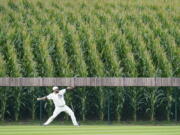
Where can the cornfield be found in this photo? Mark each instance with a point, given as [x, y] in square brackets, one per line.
[90, 38]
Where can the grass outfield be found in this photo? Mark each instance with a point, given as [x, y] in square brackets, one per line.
[90, 130]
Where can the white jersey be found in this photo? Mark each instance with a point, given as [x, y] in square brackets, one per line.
[58, 98]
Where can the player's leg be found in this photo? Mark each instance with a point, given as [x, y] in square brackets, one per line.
[55, 114]
[71, 114]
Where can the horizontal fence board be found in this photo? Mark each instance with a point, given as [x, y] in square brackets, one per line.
[89, 81]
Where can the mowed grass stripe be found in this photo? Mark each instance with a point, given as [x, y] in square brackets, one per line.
[95, 133]
[90, 127]
[83, 133]
[90, 130]
[82, 128]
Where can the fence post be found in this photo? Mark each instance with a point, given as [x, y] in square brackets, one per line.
[176, 104]
[40, 112]
[108, 107]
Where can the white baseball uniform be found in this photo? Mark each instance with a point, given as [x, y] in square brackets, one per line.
[60, 106]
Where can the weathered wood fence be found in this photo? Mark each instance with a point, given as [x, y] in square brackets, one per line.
[89, 81]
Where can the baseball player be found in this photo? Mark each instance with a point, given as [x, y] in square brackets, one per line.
[60, 105]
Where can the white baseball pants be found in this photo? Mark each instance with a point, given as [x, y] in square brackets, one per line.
[58, 110]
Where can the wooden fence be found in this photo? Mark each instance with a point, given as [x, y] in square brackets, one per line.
[89, 81]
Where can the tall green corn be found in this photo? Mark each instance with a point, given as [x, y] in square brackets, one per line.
[3, 92]
[30, 69]
[164, 68]
[13, 70]
[93, 60]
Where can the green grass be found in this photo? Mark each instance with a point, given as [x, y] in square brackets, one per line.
[90, 130]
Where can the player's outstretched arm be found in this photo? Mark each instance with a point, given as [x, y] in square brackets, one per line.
[42, 98]
[70, 88]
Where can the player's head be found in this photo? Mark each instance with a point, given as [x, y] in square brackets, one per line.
[55, 89]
